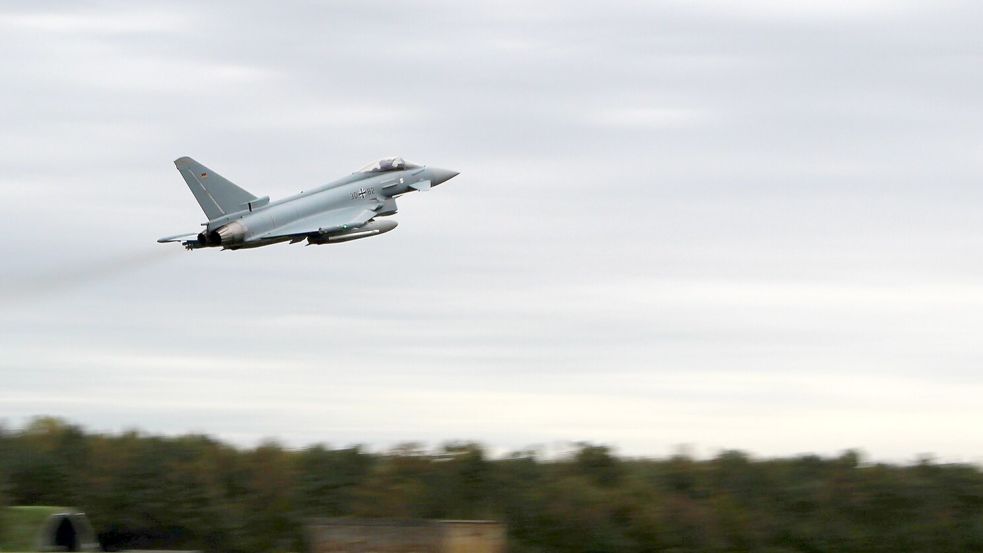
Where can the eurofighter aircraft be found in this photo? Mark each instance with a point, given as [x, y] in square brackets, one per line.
[342, 210]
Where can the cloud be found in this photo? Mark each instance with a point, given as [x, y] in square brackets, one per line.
[805, 10]
[649, 118]
[737, 225]
[91, 23]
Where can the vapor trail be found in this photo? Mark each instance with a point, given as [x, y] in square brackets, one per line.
[25, 288]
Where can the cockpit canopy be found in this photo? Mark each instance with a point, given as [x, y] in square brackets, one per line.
[387, 164]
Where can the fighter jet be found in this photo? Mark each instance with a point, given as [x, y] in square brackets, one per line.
[342, 210]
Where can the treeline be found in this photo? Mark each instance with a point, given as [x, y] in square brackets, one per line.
[196, 492]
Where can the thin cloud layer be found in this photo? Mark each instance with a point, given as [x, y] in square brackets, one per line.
[734, 227]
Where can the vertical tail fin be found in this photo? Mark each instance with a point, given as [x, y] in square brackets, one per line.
[216, 195]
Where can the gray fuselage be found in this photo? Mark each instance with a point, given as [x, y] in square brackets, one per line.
[342, 210]
[351, 190]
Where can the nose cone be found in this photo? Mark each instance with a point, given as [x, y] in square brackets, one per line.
[438, 175]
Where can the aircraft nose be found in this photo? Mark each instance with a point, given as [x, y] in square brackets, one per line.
[438, 175]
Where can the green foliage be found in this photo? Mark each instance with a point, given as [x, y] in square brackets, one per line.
[598, 464]
[197, 493]
[22, 525]
[4, 531]
[326, 480]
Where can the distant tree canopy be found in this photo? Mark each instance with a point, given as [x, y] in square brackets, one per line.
[3, 487]
[196, 492]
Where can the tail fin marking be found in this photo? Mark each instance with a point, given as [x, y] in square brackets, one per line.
[215, 194]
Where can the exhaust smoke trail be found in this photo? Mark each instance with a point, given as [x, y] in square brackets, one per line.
[19, 289]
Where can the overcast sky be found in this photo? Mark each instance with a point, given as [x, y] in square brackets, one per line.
[752, 225]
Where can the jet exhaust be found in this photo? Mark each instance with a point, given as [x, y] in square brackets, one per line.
[227, 235]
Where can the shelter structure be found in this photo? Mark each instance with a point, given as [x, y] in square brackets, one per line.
[67, 531]
[46, 528]
[347, 535]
